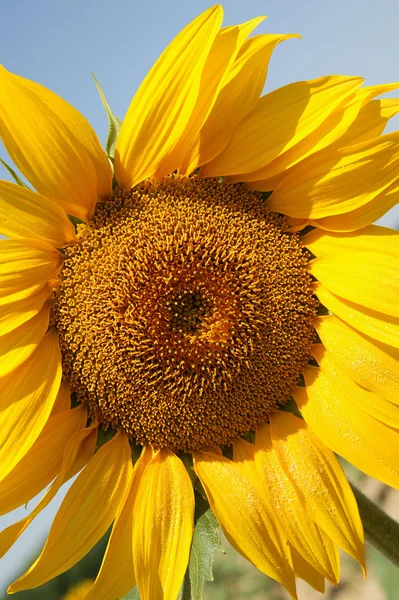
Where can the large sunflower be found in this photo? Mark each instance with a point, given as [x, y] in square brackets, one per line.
[232, 267]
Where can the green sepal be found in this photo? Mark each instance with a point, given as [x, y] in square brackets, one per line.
[114, 124]
[136, 451]
[250, 437]
[266, 195]
[187, 461]
[13, 174]
[74, 401]
[206, 541]
[291, 406]
[75, 221]
[104, 436]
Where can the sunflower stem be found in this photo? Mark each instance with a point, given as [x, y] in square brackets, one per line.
[380, 530]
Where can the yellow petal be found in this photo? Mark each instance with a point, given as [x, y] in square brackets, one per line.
[162, 107]
[85, 137]
[327, 135]
[51, 144]
[25, 214]
[320, 482]
[371, 121]
[238, 500]
[306, 572]
[369, 402]
[85, 514]
[63, 399]
[42, 462]
[332, 182]
[303, 534]
[116, 576]
[27, 397]
[162, 528]
[262, 185]
[279, 121]
[376, 325]
[15, 314]
[78, 451]
[367, 362]
[364, 215]
[240, 91]
[244, 458]
[18, 345]
[332, 405]
[372, 238]
[356, 276]
[221, 56]
[26, 266]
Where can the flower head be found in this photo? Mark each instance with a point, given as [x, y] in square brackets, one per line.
[155, 333]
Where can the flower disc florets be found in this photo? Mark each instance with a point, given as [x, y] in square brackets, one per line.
[185, 312]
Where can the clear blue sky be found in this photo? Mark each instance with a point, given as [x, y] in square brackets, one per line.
[60, 43]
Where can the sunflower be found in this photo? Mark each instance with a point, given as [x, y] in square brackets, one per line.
[206, 313]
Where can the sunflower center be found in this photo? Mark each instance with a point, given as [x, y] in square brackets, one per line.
[185, 312]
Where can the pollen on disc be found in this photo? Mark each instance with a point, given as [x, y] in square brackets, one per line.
[184, 312]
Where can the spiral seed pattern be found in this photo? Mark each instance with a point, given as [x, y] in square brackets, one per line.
[184, 312]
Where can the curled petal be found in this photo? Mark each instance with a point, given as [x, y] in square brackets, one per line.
[78, 450]
[357, 424]
[320, 482]
[366, 361]
[238, 501]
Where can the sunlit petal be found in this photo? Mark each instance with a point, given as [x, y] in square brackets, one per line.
[162, 528]
[368, 362]
[85, 514]
[52, 145]
[27, 397]
[326, 494]
[238, 500]
[163, 105]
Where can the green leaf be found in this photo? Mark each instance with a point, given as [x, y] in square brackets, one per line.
[114, 124]
[13, 174]
[206, 541]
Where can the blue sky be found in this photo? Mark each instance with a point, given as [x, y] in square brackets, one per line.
[59, 44]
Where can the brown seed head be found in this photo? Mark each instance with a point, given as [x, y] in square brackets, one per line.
[185, 312]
